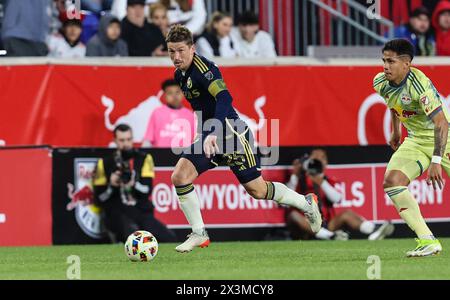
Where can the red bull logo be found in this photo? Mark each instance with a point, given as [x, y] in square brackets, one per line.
[81, 195]
[408, 114]
[84, 196]
[137, 118]
[405, 113]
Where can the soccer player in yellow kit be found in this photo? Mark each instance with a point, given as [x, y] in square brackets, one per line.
[413, 101]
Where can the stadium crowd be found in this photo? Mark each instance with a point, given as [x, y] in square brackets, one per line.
[137, 28]
[57, 28]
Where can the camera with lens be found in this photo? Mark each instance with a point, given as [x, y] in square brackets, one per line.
[122, 159]
[311, 166]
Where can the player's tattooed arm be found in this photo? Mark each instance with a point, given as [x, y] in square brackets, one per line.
[440, 133]
[440, 142]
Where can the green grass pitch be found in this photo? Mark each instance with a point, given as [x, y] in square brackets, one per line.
[231, 260]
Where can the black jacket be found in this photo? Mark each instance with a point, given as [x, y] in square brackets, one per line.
[109, 197]
[141, 41]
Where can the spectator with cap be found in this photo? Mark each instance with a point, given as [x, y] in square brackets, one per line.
[66, 43]
[216, 40]
[441, 23]
[250, 41]
[63, 9]
[107, 41]
[25, 27]
[142, 38]
[419, 32]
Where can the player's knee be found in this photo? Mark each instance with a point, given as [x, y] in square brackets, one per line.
[388, 183]
[392, 181]
[395, 178]
[179, 178]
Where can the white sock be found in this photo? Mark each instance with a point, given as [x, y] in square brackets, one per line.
[324, 234]
[190, 205]
[367, 227]
[427, 237]
[284, 195]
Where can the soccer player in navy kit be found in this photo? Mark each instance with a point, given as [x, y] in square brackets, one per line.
[222, 138]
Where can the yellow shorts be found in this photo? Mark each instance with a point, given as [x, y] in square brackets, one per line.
[414, 157]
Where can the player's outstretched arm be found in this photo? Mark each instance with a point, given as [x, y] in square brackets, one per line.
[440, 143]
[396, 134]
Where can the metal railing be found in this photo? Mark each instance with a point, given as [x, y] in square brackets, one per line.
[338, 23]
[313, 22]
[233, 7]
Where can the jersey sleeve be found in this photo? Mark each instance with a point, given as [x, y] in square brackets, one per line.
[378, 83]
[429, 98]
[209, 78]
[212, 81]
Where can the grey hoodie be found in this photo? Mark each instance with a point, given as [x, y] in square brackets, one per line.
[26, 19]
[101, 45]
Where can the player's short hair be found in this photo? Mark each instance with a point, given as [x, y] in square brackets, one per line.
[168, 82]
[400, 46]
[122, 128]
[179, 33]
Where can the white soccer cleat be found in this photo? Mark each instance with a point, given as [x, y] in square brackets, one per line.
[312, 213]
[425, 248]
[386, 229]
[194, 240]
[340, 235]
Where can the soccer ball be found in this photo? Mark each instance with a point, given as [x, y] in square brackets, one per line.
[141, 246]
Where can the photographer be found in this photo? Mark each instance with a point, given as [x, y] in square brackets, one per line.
[122, 185]
[309, 176]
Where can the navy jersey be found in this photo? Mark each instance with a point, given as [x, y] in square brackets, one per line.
[203, 86]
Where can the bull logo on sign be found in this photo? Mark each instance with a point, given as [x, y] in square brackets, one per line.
[138, 117]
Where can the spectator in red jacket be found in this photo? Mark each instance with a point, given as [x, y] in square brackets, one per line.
[441, 23]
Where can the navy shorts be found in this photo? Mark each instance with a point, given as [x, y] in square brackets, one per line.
[237, 151]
